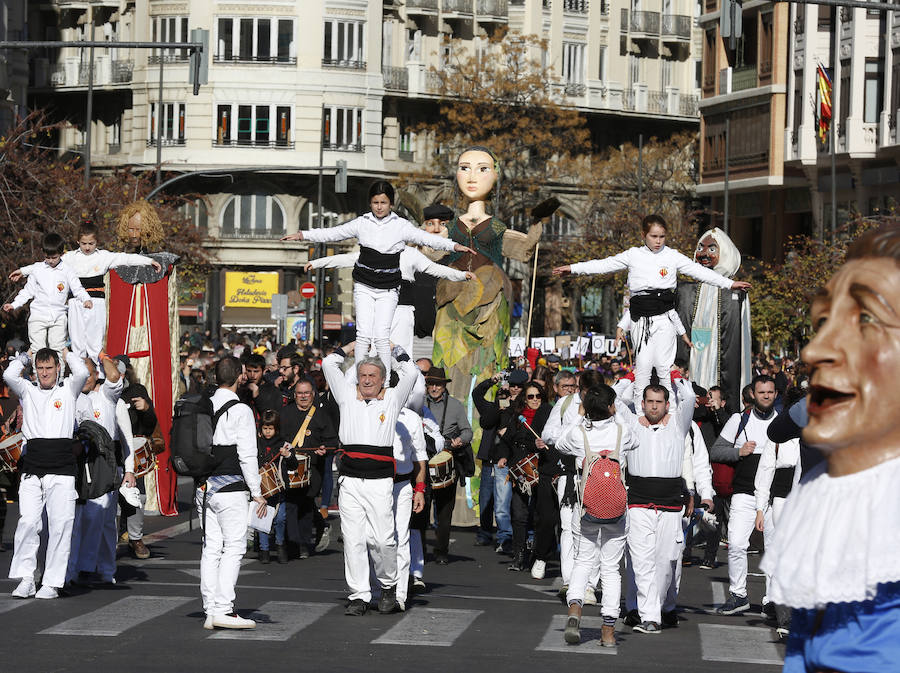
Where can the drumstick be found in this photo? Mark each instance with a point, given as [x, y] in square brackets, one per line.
[328, 449]
[525, 423]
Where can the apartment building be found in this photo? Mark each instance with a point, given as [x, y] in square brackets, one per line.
[13, 63]
[290, 82]
[765, 90]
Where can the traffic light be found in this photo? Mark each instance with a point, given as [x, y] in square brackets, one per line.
[340, 177]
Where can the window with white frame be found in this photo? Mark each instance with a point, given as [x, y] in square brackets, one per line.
[253, 125]
[665, 74]
[342, 129]
[169, 29]
[114, 135]
[634, 70]
[171, 120]
[255, 40]
[252, 216]
[407, 138]
[343, 44]
[573, 64]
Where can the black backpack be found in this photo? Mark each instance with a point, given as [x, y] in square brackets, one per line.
[97, 470]
[193, 426]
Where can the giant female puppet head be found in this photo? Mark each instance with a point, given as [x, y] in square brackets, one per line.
[477, 171]
[716, 251]
[139, 227]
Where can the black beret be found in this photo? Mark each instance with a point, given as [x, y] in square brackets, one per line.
[437, 212]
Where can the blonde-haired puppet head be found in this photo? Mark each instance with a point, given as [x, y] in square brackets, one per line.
[139, 226]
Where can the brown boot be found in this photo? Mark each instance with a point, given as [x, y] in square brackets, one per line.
[573, 625]
[139, 549]
[608, 636]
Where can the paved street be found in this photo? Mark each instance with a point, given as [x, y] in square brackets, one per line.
[476, 616]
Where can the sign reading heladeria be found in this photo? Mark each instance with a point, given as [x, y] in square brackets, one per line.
[252, 289]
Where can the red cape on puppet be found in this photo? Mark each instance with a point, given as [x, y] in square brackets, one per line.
[155, 308]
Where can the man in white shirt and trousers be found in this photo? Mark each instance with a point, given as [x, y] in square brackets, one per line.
[222, 500]
[369, 414]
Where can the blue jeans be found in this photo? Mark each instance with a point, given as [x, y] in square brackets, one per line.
[278, 525]
[494, 487]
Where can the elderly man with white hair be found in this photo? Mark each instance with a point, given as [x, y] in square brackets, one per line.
[369, 414]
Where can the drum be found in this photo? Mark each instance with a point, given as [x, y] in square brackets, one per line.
[299, 478]
[10, 452]
[270, 479]
[525, 473]
[144, 459]
[440, 470]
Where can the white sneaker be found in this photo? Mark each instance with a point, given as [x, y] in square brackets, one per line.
[539, 569]
[208, 624]
[232, 622]
[47, 593]
[590, 598]
[25, 589]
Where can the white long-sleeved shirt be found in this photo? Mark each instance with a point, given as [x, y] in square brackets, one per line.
[602, 436]
[659, 450]
[125, 434]
[237, 426]
[409, 442]
[697, 472]
[411, 261]
[754, 431]
[49, 287]
[368, 422]
[563, 414]
[648, 270]
[774, 457]
[97, 263]
[100, 406]
[388, 235]
[48, 413]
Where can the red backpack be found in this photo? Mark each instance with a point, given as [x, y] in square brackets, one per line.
[603, 495]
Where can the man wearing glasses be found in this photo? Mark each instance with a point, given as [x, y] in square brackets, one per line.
[289, 369]
[305, 426]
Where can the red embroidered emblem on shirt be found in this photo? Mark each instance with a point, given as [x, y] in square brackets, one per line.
[96, 413]
[664, 272]
[60, 286]
[57, 404]
[381, 418]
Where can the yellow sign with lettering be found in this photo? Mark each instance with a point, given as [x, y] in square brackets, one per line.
[253, 289]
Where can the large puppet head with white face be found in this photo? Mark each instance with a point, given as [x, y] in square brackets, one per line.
[476, 173]
[716, 251]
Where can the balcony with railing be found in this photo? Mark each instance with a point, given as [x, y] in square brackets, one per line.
[456, 9]
[744, 77]
[342, 147]
[395, 79]
[122, 71]
[575, 89]
[575, 6]
[688, 106]
[252, 142]
[492, 11]
[167, 142]
[265, 60]
[113, 148]
[247, 232]
[421, 7]
[642, 25]
[343, 63]
[174, 58]
[676, 28]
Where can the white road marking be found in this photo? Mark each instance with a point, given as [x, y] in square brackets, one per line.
[429, 626]
[170, 532]
[744, 644]
[195, 572]
[590, 637]
[718, 593]
[277, 621]
[8, 603]
[118, 617]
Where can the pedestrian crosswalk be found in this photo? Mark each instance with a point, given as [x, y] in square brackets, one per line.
[429, 626]
[118, 617]
[278, 621]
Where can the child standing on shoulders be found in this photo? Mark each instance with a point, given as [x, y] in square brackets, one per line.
[653, 271]
[49, 286]
[273, 448]
[382, 236]
[87, 328]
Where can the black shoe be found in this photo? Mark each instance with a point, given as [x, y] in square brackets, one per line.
[357, 608]
[647, 627]
[518, 562]
[734, 605]
[670, 619]
[282, 554]
[388, 601]
[708, 564]
[632, 618]
[769, 610]
[304, 553]
[483, 542]
[504, 547]
[441, 559]
[264, 556]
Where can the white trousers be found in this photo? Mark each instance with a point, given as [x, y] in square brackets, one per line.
[772, 515]
[599, 547]
[569, 536]
[87, 327]
[403, 327]
[655, 542]
[416, 554]
[374, 314]
[741, 520]
[224, 545]
[46, 333]
[55, 494]
[403, 495]
[367, 525]
[654, 343]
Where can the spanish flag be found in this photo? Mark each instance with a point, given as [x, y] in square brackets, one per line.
[823, 82]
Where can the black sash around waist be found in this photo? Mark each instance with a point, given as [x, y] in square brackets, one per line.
[659, 492]
[400, 478]
[407, 293]
[50, 456]
[93, 285]
[654, 302]
[782, 482]
[366, 461]
[376, 269]
[229, 465]
[745, 474]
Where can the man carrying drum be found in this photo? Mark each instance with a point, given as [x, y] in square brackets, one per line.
[457, 432]
[309, 430]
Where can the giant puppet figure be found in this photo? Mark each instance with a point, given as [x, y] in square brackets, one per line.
[143, 315]
[719, 320]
